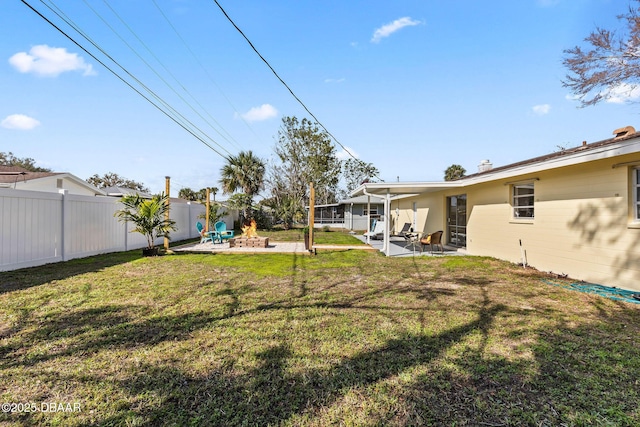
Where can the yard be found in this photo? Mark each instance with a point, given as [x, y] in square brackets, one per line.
[341, 338]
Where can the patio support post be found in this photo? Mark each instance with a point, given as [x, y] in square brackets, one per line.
[387, 225]
[368, 218]
[206, 214]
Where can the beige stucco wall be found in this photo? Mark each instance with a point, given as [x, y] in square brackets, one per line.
[582, 225]
[429, 208]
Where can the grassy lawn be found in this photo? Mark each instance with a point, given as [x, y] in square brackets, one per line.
[331, 237]
[348, 338]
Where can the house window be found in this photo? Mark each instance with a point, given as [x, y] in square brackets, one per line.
[523, 196]
[636, 193]
[374, 210]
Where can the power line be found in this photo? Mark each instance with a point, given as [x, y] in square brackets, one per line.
[178, 122]
[195, 57]
[285, 84]
[229, 138]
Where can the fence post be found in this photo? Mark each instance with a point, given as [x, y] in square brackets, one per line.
[63, 229]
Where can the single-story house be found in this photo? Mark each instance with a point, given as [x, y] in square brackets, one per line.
[573, 212]
[21, 179]
[353, 213]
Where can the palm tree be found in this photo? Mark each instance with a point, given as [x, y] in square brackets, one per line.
[243, 172]
[148, 216]
[454, 172]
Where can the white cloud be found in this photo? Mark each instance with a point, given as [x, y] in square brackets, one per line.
[388, 29]
[622, 93]
[263, 112]
[49, 61]
[347, 153]
[20, 122]
[541, 109]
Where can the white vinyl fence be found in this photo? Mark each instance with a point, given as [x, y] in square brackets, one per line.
[38, 228]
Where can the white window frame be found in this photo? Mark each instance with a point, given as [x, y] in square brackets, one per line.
[517, 208]
[374, 210]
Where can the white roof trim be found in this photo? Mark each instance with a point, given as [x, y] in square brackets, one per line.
[609, 151]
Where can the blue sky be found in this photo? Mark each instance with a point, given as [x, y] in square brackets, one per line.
[410, 86]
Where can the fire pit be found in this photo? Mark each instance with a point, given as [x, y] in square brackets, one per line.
[249, 242]
[249, 238]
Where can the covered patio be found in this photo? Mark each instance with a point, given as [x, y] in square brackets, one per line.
[399, 190]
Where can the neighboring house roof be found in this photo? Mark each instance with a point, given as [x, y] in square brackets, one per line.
[618, 146]
[123, 191]
[10, 175]
[361, 200]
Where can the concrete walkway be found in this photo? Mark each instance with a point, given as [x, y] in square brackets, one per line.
[397, 248]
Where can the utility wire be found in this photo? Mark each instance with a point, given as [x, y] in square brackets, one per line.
[73, 25]
[227, 137]
[182, 125]
[195, 57]
[285, 84]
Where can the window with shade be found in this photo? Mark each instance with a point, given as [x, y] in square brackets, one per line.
[523, 201]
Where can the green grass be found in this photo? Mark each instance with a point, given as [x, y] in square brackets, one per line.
[341, 338]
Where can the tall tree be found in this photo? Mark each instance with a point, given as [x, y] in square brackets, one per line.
[305, 155]
[356, 172]
[454, 172]
[245, 172]
[609, 67]
[111, 179]
[8, 159]
[188, 194]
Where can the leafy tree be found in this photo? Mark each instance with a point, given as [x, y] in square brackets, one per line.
[8, 159]
[188, 194]
[609, 66]
[111, 179]
[194, 196]
[214, 190]
[454, 172]
[356, 172]
[245, 172]
[305, 155]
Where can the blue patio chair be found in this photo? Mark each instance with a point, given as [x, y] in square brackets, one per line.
[222, 232]
[205, 236]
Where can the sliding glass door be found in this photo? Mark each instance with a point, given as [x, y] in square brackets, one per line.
[457, 220]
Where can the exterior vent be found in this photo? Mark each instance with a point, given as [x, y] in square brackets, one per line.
[485, 165]
[625, 131]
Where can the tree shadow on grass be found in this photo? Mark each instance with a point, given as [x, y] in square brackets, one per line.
[26, 278]
[270, 394]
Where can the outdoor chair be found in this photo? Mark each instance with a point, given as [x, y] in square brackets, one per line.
[222, 232]
[433, 239]
[205, 236]
[377, 230]
[405, 229]
[412, 240]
